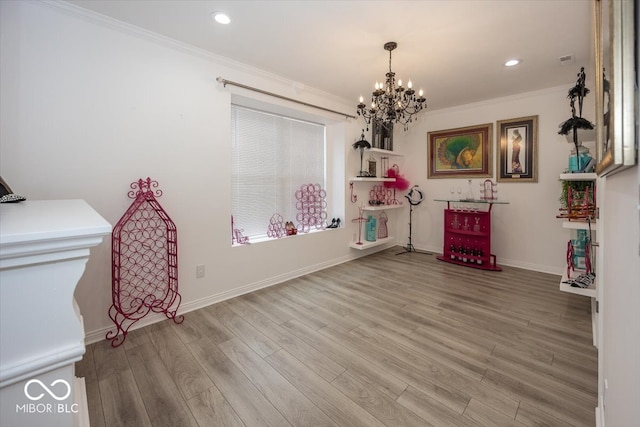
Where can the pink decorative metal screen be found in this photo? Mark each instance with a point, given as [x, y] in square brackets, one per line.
[144, 262]
[311, 205]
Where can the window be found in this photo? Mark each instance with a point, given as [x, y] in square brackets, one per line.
[272, 156]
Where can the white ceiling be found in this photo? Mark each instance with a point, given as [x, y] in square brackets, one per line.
[453, 49]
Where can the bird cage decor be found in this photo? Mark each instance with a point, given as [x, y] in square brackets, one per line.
[144, 254]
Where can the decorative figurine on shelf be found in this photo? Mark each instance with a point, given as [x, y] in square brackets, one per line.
[455, 224]
[383, 232]
[8, 196]
[384, 166]
[578, 200]
[580, 248]
[362, 145]
[581, 156]
[360, 220]
[354, 196]
[277, 228]
[382, 134]
[488, 190]
[400, 183]
[470, 195]
[371, 229]
[372, 166]
[587, 259]
[465, 227]
[570, 259]
[290, 228]
[378, 195]
[335, 223]
[236, 235]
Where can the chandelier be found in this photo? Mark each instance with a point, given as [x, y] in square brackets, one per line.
[391, 102]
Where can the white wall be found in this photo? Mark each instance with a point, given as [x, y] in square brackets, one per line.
[620, 301]
[88, 107]
[526, 232]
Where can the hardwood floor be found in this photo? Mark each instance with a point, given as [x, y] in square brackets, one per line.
[383, 340]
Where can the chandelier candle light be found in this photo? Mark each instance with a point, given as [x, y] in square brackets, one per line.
[391, 102]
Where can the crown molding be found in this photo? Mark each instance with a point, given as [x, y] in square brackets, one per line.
[96, 18]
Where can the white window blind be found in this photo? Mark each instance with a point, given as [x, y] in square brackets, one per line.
[272, 156]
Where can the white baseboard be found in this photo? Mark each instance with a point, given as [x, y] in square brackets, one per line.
[508, 262]
[81, 418]
[100, 334]
[600, 412]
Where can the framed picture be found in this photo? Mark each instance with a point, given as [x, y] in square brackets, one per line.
[518, 153]
[616, 139]
[460, 153]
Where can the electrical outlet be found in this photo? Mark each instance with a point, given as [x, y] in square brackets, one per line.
[199, 271]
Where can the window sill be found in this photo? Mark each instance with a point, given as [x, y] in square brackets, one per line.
[262, 239]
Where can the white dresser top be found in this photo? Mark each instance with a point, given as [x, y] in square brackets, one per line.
[32, 226]
[44, 248]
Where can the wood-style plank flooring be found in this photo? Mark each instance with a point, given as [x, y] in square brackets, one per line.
[383, 340]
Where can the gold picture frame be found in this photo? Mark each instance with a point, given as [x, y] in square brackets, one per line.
[461, 152]
[517, 150]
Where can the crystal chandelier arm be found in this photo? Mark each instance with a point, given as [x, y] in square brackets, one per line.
[391, 102]
[413, 105]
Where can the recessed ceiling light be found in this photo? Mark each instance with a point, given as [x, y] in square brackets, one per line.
[220, 17]
[512, 63]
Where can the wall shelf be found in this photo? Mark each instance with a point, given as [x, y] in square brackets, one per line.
[372, 179]
[565, 287]
[375, 191]
[381, 207]
[385, 152]
[578, 176]
[578, 225]
[591, 227]
[367, 245]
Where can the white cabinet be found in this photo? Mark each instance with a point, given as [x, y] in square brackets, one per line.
[362, 187]
[44, 247]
